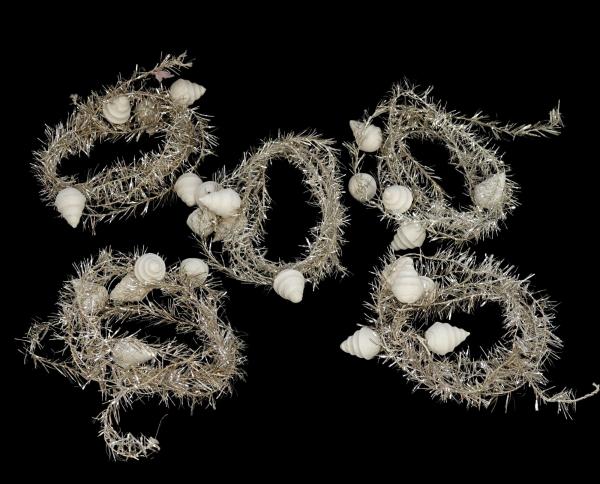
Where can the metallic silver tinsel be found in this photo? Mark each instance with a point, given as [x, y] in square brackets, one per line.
[88, 328]
[246, 260]
[518, 359]
[407, 114]
[122, 189]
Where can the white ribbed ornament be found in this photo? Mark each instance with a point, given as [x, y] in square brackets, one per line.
[186, 93]
[364, 343]
[443, 338]
[397, 198]
[70, 203]
[289, 284]
[409, 236]
[488, 194]
[202, 222]
[148, 271]
[393, 269]
[89, 296]
[362, 187]
[185, 188]
[194, 269]
[429, 286]
[117, 110]
[368, 137]
[407, 285]
[130, 352]
[224, 203]
[228, 225]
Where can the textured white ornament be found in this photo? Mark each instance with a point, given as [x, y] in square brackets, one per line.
[195, 269]
[205, 188]
[147, 114]
[397, 198]
[202, 222]
[130, 352]
[150, 268]
[186, 93]
[70, 203]
[117, 110]
[399, 265]
[186, 186]
[409, 236]
[407, 285]
[442, 338]
[368, 137]
[488, 193]
[429, 286]
[224, 203]
[362, 187]
[227, 225]
[289, 284]
[364, 343]
[89, 296]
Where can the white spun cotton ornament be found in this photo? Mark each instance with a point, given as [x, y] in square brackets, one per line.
[70, 203]
[194, 269]
[409, 236]
[202, 222]
[362, 187]
[397, 198]
[148, 271]
[368, 137]
[406, 285]
[130, 352]
[364, 343]
[117, 110]
[289, 284]
[205, 188]
[442, 338]
[224, 203]
[90, 297]
[488, 194]
[429, 286]
[186, 93]
[185, 188]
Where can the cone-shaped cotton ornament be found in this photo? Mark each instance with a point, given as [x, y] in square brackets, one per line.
[149, 270]
[409, 236]
[289, 284]
[224, 203]
[364, 343]
[70, 203]
[368, 137]
[186, 186]
[442, 338]
[130, 352]
[488, 193]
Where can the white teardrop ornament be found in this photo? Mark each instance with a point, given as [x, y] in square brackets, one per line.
[186, 93]
[397, 198]
[186, 186]
[362, 187]
[443, 338]
[70, 203]
[194, 269]
[130, 352]
[399, 265]
[148, 271]
[117, 110]
[364, 343]
[409, 236]
[407, 285]
[224, 203]
[202, 222]
[368, 137]
[289, 284]
[488, 194]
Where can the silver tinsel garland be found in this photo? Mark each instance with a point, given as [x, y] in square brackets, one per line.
[122, 189]
[463, 284]
[245, 258]
[92, 333]
[407, 114]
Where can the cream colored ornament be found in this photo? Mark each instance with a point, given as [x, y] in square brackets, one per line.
[202, 222]
[148, 272]
[129, 352]
[399, 265]
[89, 296]
[185, 187]
[186, 93]
[368, 137]
[407, 285]
[429, 286]
[147, 114]
[409, 236]
[224, 203]
[362, 187]
[289, 284]
[70, 203]
[228, 225]
[364, 343]
[488, 194]
[117, 110]
[194, 269]
[397, 198]
[205, 188]
[443, 338]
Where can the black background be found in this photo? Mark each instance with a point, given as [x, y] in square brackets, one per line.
[303, 400]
